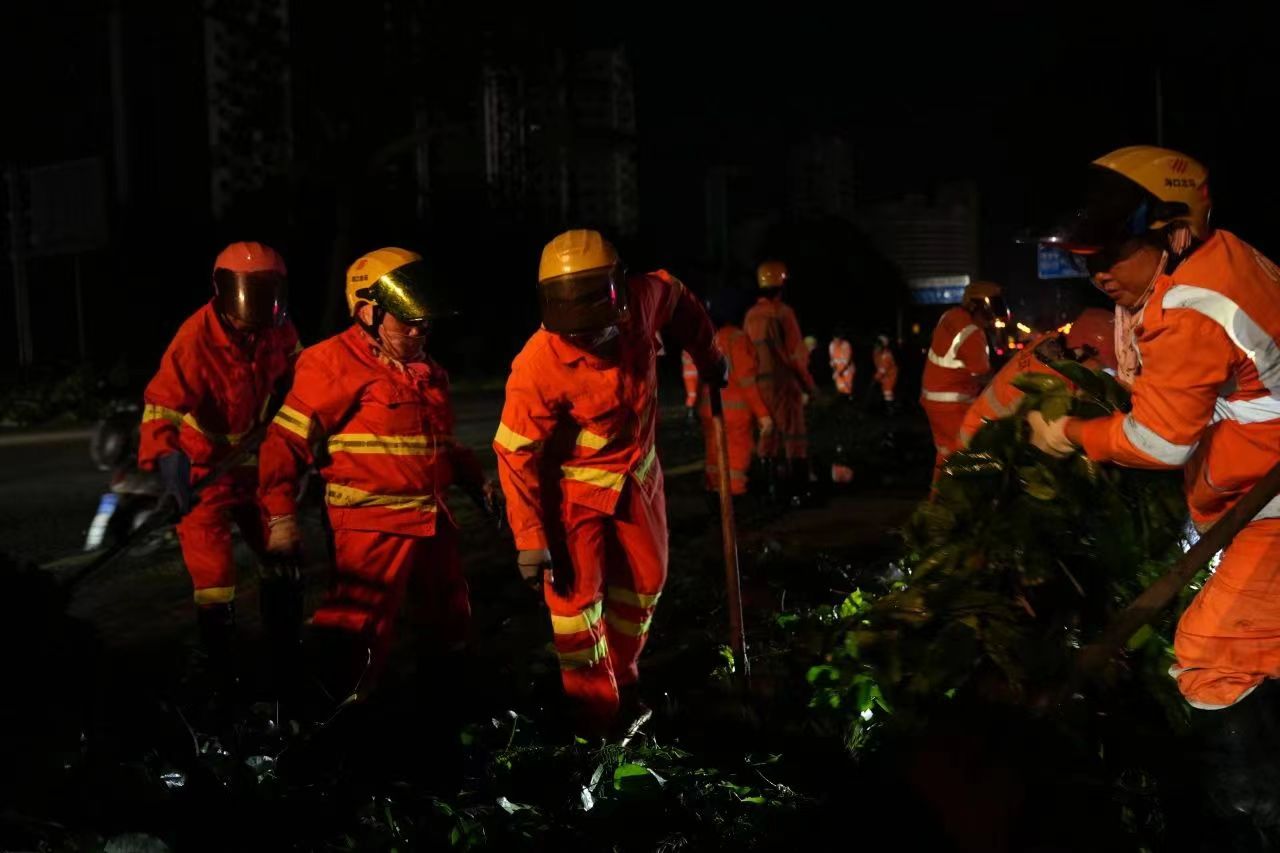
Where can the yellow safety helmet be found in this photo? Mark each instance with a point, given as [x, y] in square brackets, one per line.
[771, 275]
[394, 280]
[581, 283]
[1180, 182]
[981, 290]
[1129, 194]
[989, 295]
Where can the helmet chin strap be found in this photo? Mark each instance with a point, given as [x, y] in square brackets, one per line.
[1151, 285]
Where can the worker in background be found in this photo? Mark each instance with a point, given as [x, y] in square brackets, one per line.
[840, 354]
[579, 463]
[1091, 341]
[214, 386]
[744, 408]
[1200, 309]
[886, 372]
[689, 373]
[784, 379]
[957, 366]
[372, 409]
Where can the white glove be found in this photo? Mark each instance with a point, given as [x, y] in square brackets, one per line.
[1050, 437]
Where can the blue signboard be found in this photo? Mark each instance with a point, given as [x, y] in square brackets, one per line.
[1052, 262]
[938, 290]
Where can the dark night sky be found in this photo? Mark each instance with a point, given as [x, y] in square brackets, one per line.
[1016, 101]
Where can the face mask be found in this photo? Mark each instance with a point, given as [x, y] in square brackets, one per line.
[402, 347]
[1128, 359]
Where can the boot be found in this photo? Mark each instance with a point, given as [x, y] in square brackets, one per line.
[216, 624]
[280, 599]
[633, 713]
[800, 483]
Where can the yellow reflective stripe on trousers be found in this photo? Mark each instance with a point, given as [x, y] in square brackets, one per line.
[594, 477]
[294, 421]
[512, 441]
[392, 445]
[595, 441]
[584, 657]
[626, 626]
[152, 412]
[216, 595]
[587, 620]
[351, 497]
[635, 599]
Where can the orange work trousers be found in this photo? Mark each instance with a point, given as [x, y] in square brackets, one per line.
[609, 572]
[945, 420]
[205, 535]
[738, 429]
[785, 402]
[1228, 640]
[374, 574]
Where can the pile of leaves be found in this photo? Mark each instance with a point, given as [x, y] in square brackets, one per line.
[1017, 562]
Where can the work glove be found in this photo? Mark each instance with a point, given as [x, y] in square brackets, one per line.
[533, 564]
[718, 375]
[284, 546]
[1050, 437]
[766, 426]
[175, 476]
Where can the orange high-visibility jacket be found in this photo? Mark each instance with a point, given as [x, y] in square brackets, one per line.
[689, 373]
[385, 430]
[1208, 393]
[886, 367]
[840, 353]
[781, 356]
[742, 393]
[1000, 398]
[587, 424]
[210, 391]
[957, 358]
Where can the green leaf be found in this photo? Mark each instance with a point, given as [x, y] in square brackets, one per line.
[1056, 407]
[636, 778]
[1140, 638]
[1038, 383]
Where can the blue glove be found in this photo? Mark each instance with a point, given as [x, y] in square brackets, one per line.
[175, 475]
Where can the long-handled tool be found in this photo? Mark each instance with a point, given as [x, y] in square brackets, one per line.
[1155, 598]
[729, 535]
[167, 512]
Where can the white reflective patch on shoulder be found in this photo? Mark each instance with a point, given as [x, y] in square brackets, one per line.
[950, 360]
[1154, 445]
[1257, 411]
[1243, 331]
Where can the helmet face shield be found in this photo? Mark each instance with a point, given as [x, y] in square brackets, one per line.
[402, 292]
[256, 299]
[1111, 221]
[586, 301]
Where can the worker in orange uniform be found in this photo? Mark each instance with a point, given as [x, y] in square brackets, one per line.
[958, 361]
[1202, 308]
[689, 373]
[214, 386]
[840, 354]
[578, 462]
[372, 408]
[744, 408]
[784, 379]
[886, 372]
[1091, 341]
